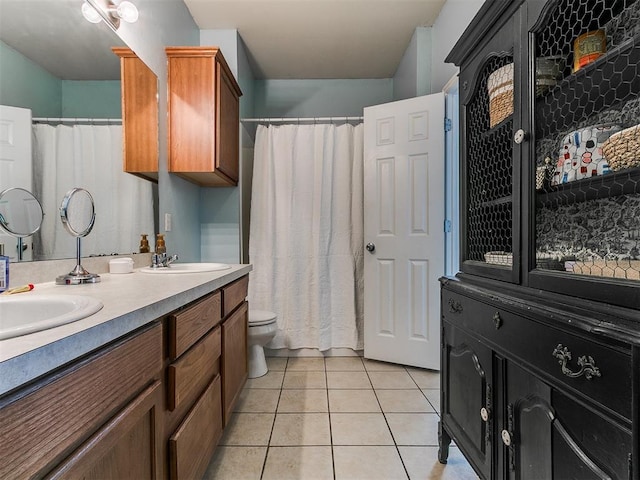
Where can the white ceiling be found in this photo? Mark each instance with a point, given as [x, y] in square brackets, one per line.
[320, 38]
[284, 38]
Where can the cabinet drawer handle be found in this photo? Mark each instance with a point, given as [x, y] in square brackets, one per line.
[484, 414]
[497, 320]
[586, 363]
[506, 438]
[455, 307]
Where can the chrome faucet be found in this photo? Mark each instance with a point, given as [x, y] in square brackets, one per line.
[162, 260]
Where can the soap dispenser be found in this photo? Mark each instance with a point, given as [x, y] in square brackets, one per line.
[160, 246]
[144, 243]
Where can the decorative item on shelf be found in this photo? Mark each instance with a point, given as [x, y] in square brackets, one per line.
[548, 72]
[588, 47]
[622, 149]
[621, 268]
[581, 156]
[544, 174]
[500, 88]
[499, 258]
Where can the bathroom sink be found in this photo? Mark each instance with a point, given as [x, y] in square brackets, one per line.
[21, 314]
[187, 268]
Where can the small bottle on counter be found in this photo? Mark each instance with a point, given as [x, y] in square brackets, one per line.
[144, 243]
[4, 270]
[160, 246]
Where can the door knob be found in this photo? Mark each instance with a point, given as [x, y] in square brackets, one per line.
[370, 247]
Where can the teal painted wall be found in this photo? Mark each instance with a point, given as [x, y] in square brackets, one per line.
[26, 84]
[91, 99]
[319, 98]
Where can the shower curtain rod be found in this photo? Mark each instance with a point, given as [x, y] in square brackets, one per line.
[301, 119]
[75, 120]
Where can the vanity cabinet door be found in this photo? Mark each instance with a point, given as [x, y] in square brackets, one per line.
[139, 115]
[46, 422]
[126, 447]
[203, 116]
[234, 358]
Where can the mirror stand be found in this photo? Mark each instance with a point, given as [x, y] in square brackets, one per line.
[78, 275]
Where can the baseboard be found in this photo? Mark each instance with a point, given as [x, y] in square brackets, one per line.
[312, 352]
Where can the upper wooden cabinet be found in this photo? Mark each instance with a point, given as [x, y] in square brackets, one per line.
[203, 116]
[139, 115]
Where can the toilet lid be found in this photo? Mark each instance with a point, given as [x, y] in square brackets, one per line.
[261, 317]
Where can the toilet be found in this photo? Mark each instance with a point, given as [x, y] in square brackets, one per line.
[262, 328]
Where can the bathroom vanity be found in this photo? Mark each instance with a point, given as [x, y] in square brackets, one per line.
[141, 389]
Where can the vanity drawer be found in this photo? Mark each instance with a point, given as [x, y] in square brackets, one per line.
[234, 294]
[193, 370]
[554, 352]
[189, 325]
[193, 443]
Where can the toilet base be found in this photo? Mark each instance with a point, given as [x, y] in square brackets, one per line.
[257, 361]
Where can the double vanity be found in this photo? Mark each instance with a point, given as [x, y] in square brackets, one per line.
[142, 388]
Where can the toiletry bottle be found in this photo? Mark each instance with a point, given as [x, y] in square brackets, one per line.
[4, 270]
[144, 243]
[160, 246]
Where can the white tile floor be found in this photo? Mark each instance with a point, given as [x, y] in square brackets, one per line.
[336, 418]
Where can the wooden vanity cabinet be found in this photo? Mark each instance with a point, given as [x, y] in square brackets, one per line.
[193, 422]
[204, 118]
[97, 418]
[139, 95]
[206, 368]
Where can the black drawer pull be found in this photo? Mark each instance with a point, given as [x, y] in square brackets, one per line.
[497, 320]
[586, 363]
[455, 307]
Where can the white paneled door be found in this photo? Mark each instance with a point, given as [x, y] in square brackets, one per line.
[15, 165]
[404, 230]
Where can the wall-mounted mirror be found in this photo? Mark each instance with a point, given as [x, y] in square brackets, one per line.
[58, 65]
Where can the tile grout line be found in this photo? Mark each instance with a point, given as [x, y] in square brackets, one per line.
[273, 424]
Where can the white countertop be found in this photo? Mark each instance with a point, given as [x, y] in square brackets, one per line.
[130, 301]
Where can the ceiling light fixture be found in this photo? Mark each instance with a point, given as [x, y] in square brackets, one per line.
[111, 11]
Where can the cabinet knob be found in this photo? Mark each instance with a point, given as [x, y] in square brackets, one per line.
[370, 247]
[506, 438]
[484, 414]
[519, 136]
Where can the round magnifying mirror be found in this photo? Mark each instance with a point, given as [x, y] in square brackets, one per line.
[77, 212]
[77, 215]
[20, 212]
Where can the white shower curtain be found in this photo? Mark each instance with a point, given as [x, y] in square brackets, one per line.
[306, 233]
[90, 157]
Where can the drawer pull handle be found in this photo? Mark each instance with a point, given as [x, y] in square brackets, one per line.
[455, 307]
[497, 320]
[586, 363]
[506, 438]
[484, 414]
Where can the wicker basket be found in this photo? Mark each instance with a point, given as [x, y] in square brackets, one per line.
[622, 150]
[500, 88]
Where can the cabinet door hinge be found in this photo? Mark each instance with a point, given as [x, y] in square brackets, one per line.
[447, 226]
[630, 460]
[447, 125]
